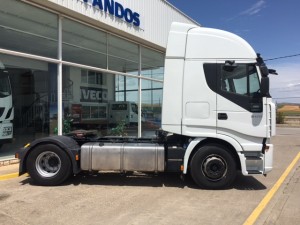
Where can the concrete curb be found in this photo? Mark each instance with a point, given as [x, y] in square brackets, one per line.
[288, 125]
[7, 162]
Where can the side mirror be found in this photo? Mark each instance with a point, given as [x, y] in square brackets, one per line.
[265, 87]
[264, 70]
[271, 71]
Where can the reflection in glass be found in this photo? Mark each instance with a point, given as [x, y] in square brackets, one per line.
[152, 64]
[34, 99]
[83, 44]
[151, 107]
[91, 101]
[20, 29]
[123, 55]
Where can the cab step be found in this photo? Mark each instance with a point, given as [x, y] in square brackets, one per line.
[255, 172]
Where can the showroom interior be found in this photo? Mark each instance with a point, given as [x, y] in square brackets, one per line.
[71, 67]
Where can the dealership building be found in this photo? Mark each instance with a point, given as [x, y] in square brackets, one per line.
[73, 65]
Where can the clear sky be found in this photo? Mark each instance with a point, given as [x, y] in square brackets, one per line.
[272, 27]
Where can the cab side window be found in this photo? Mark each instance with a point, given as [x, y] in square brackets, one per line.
[237, 82]
[241, 79]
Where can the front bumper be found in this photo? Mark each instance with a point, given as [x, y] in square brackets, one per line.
[268, 162]
[257, 162]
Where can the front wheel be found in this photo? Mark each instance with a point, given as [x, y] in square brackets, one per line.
[48, 165]
[213, 167]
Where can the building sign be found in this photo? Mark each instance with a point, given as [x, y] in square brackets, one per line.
[93, 94]
[114, 8]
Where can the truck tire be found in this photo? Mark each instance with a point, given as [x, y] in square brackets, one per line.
[48, 165]
[213, 167]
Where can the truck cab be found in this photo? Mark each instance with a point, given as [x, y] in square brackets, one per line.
[6, 107]
[221, 94]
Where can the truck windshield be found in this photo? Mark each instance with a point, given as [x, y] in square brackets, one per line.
[121, 106]
[4, 85]
[241, 80]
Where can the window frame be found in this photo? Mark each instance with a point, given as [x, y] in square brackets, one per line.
[213, 72]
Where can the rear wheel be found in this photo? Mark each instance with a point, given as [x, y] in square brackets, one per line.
[213, 167]
[48, 165]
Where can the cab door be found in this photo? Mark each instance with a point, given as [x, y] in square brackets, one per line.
[239, 103]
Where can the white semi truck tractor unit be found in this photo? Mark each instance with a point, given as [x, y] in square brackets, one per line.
[217, 119]
[6, 107]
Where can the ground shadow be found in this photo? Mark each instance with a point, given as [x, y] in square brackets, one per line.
[150, 180]
[132, 179]
[247, 183]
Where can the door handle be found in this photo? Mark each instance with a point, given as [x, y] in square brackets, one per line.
[222, 116]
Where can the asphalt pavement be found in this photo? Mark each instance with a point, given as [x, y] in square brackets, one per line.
[109, 199]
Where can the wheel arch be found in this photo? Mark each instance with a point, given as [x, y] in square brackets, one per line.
[66, 144]
[233, 149]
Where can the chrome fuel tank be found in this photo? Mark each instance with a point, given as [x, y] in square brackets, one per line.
[146, 157]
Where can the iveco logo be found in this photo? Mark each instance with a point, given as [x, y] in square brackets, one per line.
[116, 9]
[93, 94]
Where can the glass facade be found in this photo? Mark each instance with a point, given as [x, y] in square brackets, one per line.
[28, 29]
[123, 56]
[84, 45]
[106, 81]
[29, 102]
